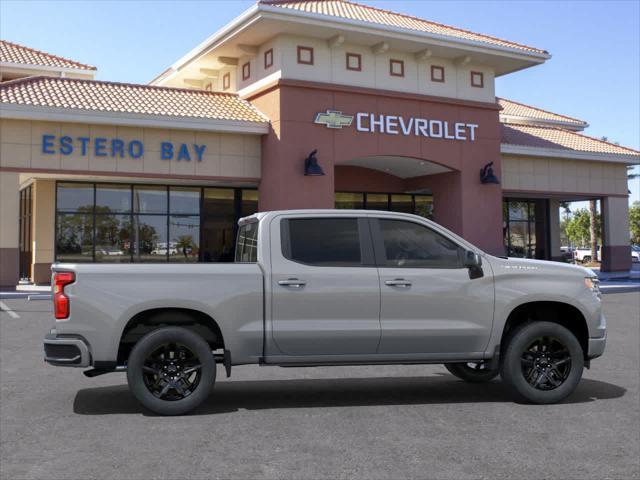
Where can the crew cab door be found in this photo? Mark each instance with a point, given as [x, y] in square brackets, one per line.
[429, 303]
[324, 284]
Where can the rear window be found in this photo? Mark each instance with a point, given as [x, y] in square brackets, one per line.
[322, 242]
[247, 243]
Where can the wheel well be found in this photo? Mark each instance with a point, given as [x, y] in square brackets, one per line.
[561, 313]
[144, 322]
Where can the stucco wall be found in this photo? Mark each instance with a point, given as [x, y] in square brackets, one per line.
[226, 155]
[537, 174]
[9, 221]
[329, 66]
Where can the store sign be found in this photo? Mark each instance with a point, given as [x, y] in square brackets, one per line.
[399, 125]
[116, 147]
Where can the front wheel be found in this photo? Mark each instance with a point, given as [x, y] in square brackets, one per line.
[542, 363]
[171, 370]
[478, 372]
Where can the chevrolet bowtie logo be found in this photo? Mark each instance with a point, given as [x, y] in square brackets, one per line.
[334, 119]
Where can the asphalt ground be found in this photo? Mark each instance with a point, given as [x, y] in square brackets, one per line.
[309, 423]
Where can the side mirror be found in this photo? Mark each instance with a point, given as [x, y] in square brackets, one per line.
[473, 262]
[472, 259]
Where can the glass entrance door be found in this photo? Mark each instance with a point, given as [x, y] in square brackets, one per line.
[526, 228]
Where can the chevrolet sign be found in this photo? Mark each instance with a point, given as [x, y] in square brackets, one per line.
[399, 125]
[334, 119]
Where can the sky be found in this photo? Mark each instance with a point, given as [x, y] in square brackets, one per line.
[593, 75]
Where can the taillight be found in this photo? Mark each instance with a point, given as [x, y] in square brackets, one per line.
[60, 300]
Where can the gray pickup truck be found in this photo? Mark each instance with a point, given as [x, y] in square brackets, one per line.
[329, 287]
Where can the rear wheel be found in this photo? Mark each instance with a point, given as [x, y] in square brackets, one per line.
[586, 259]
[477, 372]
[542, 363]
[171, 370]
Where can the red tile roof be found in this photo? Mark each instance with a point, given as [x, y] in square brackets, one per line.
[559, 139]
[354, 11]
[14, 53]
[127, 98]
[517, 109]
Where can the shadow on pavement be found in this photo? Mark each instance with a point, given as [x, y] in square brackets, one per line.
[230, 396]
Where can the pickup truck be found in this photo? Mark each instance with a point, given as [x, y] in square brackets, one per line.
[583, 255]
[329, 287]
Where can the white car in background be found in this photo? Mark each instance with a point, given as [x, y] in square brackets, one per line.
[635, 253]
[583, 255]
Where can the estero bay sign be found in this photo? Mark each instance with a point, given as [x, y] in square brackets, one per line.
[116, 147]
[399, 125]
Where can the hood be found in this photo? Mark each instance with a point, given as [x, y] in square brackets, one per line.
[525, 265]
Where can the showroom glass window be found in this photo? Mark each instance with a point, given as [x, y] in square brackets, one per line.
[121, 223]
[407, 203]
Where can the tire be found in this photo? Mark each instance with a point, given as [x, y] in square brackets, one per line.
[171, 370]
[542, 363]
[472, 372]
[586, 259]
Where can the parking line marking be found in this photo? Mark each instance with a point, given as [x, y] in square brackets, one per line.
[4, 308]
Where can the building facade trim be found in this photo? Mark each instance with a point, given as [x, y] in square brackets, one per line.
[60, 114]
[568, 154]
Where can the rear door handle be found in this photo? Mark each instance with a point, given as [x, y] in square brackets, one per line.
[292, 282]
[398, 282]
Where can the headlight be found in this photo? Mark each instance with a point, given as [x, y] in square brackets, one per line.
[593, 284]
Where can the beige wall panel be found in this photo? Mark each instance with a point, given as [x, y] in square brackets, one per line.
[210, 166]
[562, 175]
[616, 224]
[29, 155]
[15, 155]
[44, 221]
[231, 144]
[232, 165]
[15, 131]
[252, 167]
[9, 209]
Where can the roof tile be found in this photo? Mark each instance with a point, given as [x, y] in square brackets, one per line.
[516, 109]
[14, 53]
[559, 139]
[365, 13]
[127, 98]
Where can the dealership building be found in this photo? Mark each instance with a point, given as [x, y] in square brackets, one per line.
[294, 104]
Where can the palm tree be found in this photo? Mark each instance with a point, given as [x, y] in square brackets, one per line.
[593, 230]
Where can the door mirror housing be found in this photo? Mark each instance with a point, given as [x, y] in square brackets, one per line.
[473, 261]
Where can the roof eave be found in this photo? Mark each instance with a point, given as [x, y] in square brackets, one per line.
[48, 68]
[75, 115]
[260, 10]
[278, 11]
[532, 121]
[511, 149]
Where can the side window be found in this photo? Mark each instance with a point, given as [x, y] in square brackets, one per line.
[247, 244]
[323, 242]
[410, 245]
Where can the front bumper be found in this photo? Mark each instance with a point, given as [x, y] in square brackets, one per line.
[66, 351]
[596, 347]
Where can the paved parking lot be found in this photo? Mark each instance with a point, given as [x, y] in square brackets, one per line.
[338, 422]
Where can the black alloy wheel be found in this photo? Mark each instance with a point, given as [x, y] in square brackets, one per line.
[171, 370]
[542, 362]
[546, 363]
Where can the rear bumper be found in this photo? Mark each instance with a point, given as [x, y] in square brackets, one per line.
[66, 351]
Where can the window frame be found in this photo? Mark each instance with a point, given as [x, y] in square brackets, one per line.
[380, 251]
[367, 256]
[357, 56]
[480, 75]
[268, 58]
[396, 61]
[439, 68]
[226, 81]
[302, 48]
[246, 71]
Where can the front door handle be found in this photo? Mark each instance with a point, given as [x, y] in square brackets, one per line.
[292, 282]
[398, 282]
